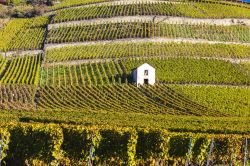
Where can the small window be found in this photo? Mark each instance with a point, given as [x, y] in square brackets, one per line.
[146, 72]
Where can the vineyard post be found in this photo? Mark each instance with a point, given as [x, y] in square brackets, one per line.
[245, 152]
[210, 151]
[189, 151]
[91, 152]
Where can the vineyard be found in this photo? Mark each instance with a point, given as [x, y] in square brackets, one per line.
[125, 98]
[193, 9]
[17, 97]
[140, 29]
[145, 49]
[22, 70]
[23, 34]
[70, 90]
[169, 70]
[126, 146]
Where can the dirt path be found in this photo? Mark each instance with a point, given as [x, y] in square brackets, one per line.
[156, 19]
[84, 61]
[138, 40]
[21, 53]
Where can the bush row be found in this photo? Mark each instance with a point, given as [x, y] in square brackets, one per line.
[50, 144]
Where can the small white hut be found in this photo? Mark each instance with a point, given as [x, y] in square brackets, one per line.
[144, 74]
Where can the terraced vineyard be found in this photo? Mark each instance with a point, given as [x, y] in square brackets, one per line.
[125, 98]
[22, 70]
[169, 70]
[193, 9]
[145, 49]
[68, 94]
[138, 29]
[17, 97]
[23, 34]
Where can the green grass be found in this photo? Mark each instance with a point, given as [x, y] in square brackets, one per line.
[131, 49]
[194, 9]
[120, 30]
[168, 70]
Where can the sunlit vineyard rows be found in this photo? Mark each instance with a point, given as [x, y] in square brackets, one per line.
[117, 145]
[179, 123]
[125, 98]
[246, 66]
[72, 3]
[144, 49]
[226, 100]
[169, 70]
[233, 100]
[23, 34]
[119, 30]
[193, 9]
[3, 64]
[69, 96]
[22, 70]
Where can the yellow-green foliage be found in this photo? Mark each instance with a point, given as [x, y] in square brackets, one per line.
[10, 31]
[144, 29]
[148, 49]
[69, 3]
[233, 100]
[246, 66]
[23, 34]
[184, 9]
[50, 144]
[168, 70]
[22, 70]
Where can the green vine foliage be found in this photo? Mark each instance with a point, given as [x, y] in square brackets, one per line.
[53, 144]
[5, 137]
[32, 144]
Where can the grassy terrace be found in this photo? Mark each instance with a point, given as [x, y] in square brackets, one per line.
[119, 30]
[169, 70]
[133, 49]
[192, 9]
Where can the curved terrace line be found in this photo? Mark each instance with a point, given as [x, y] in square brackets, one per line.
[138, 40]
[100, 60]
[155, 19]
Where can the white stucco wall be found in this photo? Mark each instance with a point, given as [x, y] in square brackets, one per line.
[138, 74]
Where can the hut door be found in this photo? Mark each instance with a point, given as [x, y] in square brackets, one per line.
[146, 81]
